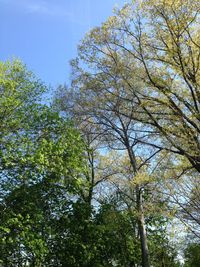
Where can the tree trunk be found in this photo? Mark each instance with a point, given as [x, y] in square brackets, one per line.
[142, 229]
[141, 220]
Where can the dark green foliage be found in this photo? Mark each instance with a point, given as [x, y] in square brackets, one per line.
[192, 255]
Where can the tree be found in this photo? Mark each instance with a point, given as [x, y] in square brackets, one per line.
[20, 90]
[142, 75]
[39, 186]
[162, 53]
[113, 129]
[42, 167]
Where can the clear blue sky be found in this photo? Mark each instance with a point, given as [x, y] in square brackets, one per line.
[44, 33]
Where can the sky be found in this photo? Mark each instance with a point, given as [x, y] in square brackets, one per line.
[44, 34]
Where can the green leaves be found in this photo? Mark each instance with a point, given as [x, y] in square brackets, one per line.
[192, 255]
[42, 165]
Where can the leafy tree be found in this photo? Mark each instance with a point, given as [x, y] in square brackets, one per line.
[50, 173]
[20, 90]
[135, 75]
[156, 61]
[42, 165]
[192, 255]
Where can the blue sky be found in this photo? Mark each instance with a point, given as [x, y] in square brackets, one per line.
[45, 33]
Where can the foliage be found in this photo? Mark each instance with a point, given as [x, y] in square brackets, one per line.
[41, 156]
[192, 255]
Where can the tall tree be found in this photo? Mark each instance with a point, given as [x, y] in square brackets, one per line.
[151, 42]
[92, 101]
[138, 80]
